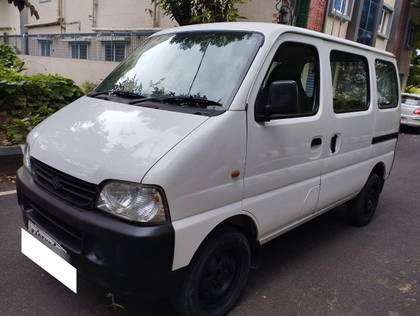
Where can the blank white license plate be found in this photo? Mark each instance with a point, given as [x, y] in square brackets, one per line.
[48, 259]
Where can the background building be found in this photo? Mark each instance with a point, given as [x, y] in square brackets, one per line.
[85, 39]
[9, 19]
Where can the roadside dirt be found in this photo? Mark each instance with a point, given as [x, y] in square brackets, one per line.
[8, 168]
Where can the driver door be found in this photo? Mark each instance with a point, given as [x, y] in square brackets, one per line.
[284, 155]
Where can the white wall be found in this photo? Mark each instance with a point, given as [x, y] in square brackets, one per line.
[78, 70]
[258, 10]
[9, 18]
[78, 16]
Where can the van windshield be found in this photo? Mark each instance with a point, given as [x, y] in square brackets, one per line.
[203, 66]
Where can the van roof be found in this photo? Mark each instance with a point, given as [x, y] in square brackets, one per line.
[269, 30]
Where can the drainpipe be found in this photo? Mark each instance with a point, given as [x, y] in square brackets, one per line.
[324, 22]
[155, 15]
[334, 18]
[61, 16]
[95, 13]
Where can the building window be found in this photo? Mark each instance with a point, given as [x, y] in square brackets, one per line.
[45, 47]
[387, 84]
[385, 21]
[341, 8]
[114, 51]
[350, 82]
[367, 30]
[79, 50]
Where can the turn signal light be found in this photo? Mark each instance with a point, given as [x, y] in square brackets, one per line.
[417, 111]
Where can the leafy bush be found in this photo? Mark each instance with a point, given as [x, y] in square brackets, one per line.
[9, 59]
[30, 99]
[88, 86]
[22, 94]
[18, 128]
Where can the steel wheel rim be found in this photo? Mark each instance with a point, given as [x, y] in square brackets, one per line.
[218, 277]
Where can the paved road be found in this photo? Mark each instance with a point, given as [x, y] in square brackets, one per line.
[322, 268]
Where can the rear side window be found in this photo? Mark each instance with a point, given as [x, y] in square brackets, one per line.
[387, 84]
[350, 82]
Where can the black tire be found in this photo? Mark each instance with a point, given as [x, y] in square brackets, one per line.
[217, 275]
[362, 208]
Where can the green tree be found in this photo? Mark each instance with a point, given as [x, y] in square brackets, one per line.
[187, 12]
[22, 4]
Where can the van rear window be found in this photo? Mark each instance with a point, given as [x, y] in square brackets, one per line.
[350, 82]
[387, 84]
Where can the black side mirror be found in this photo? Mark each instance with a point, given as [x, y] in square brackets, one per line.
[282, 101]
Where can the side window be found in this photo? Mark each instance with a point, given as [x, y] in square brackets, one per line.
[387, 84]
[350, 82]
[297, 62]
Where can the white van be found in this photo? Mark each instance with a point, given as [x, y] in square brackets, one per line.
[204, 144]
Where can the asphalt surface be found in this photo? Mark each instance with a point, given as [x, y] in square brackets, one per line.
[322, 268]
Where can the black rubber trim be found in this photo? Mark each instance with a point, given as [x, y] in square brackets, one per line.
[130, 260]
[384, 138]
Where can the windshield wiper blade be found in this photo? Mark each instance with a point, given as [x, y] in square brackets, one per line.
[123, 93]
[181, 100]
[120, 93]
[97, 93]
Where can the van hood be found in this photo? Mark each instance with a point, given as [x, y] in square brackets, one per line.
[95, 140]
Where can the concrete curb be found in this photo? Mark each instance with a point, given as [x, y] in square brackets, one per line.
[16, 150]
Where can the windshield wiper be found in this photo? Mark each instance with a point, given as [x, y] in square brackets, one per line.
[120, 93]
[97, 93]
[179, 100]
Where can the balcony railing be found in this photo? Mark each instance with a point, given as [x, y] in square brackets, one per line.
[89, 46]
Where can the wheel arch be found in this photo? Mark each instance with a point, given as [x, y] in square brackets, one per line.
[380, 170]
[247, 226]
[190, 238]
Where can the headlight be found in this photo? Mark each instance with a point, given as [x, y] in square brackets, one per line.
[27, 157]
[134, 202]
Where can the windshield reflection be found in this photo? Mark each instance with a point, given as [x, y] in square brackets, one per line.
[201, 65]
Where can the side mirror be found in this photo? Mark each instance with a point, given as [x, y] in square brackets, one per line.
[282, 101]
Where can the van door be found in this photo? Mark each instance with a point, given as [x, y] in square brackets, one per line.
[351, 122]
[284, 156]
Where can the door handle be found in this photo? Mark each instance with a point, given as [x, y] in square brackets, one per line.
[317, 141]
[333, 145]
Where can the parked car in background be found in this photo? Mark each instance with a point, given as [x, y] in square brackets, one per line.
[204, 144]
[410, 109]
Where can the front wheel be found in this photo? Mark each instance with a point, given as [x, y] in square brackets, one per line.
[363, 206]
[217, 276]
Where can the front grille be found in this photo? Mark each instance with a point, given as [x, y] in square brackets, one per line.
[68, 188]
[69, 236]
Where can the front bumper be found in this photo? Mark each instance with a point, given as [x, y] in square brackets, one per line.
[123, 258]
